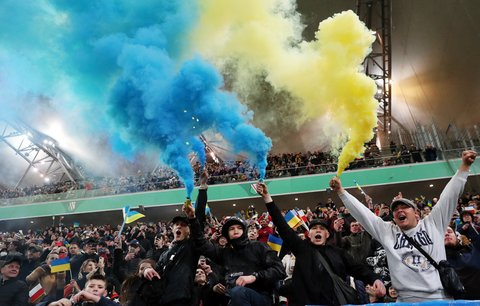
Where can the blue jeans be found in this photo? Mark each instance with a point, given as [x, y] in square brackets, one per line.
[243, 296]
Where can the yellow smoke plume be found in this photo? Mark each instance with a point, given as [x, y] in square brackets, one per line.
[325, 74]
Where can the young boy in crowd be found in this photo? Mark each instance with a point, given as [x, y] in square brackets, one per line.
[95, 293]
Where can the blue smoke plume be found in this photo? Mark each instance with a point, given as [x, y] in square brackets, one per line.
[123, 62]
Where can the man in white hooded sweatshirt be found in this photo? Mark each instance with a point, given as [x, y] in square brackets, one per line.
[414, 278]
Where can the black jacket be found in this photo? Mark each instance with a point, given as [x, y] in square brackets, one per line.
[177, 271]
[27, 267]
[245, 258]
[311, 283]
[465, 260]
[13, 293]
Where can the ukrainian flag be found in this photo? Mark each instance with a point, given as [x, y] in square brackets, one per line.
[130, 215]
[275, 243]
[292, 219]
[59, 265]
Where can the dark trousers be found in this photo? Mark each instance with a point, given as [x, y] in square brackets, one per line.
[243, 296]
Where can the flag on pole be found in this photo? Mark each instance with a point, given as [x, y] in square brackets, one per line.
[36, 293]
[60, 265]
[275, 243]
[303, 219]
[130, 216]
[292, 219]
[302, 215]
[358, 187]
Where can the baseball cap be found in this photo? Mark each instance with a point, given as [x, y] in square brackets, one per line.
[318, 222]
[5, 260]
[134, 242]
[34, 249]
[180, 219]
[404, 201]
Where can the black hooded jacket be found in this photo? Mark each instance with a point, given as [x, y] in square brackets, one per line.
[242, 257]
[311, 283]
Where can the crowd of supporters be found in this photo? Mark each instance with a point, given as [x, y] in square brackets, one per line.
[97, 256]
[279, 165]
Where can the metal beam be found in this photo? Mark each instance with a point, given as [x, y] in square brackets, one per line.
[377, 16]
[40, 152]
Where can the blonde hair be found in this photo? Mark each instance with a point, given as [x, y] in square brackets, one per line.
[84, 264]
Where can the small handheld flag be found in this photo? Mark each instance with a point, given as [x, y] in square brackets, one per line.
[36, 293]
[359, 188]
[303, 219]
[275, 243]
[60, 265]
[292, 219]
[130, 215]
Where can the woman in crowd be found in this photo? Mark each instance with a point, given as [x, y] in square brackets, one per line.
[129, 293]
[465, 258]
[88, 268]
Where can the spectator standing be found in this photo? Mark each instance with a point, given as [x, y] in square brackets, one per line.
[13, 292]
[465, 260]
[429, 232]
[31, 262]
[311, 283]
[430, 153]
[251, 268]
[265, 230]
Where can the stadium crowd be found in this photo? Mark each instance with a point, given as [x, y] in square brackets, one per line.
[202, 259]
[279, 165]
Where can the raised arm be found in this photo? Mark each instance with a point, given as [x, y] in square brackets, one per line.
[202, 199]
[204, 246]
[447, 202]
[372, 224]
[288, 235]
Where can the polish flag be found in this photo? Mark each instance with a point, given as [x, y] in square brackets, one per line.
[36, 293]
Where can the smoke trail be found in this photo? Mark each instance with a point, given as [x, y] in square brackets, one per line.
[126, 60]
[324, 74]
[155, 104]
[199, 148]
[160, 100]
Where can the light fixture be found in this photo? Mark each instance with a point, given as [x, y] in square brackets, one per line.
[296, 199]
[176, 209]
[234, 204]
[431, 185]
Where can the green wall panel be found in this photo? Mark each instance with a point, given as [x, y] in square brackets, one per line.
[299, 184]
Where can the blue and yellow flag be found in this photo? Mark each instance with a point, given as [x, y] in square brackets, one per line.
[275, 243]
[130, 215]
[292, 219]
[59, 265]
